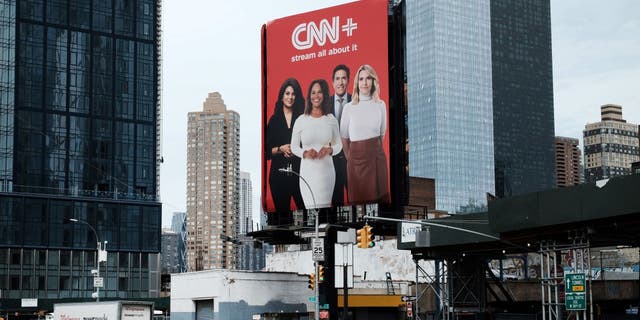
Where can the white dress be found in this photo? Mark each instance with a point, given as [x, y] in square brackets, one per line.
[315, 133]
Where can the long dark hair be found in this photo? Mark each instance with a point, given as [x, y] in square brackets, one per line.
[298, 103]
[324, 87]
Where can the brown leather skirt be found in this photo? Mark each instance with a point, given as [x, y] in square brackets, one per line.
[367, 172]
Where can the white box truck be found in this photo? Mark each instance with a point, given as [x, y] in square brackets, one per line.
[107, 310]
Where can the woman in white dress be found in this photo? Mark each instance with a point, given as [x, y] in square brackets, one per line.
[315, 139]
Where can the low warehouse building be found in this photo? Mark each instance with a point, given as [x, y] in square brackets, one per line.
[225, 294]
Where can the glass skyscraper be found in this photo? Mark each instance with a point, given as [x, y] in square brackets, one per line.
[522, 96]
[79, 138]
[179, 226]
[450, 111]
[480, 99]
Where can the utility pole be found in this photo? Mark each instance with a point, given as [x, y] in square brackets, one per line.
[346, 240]
[101, 255]
[316, 238]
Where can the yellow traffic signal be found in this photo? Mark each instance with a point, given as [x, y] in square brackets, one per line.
[320, 273]
[361, 238]
[364, 237]
[312, 281]
[370, 242]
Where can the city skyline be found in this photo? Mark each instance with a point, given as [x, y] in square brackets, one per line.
[592, 65]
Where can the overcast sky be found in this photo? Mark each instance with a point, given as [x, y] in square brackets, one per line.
[215, 46]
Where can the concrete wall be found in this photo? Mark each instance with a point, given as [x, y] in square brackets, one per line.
[376, 261]
[239, 294]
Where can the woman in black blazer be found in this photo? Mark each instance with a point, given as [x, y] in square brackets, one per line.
[284, 186]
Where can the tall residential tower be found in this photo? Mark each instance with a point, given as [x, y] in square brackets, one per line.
[246, 207]
[568, 169]
[610, 146]
[213, 185]
[251, 253]
[79, 139]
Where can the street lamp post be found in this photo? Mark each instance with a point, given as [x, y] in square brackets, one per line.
[315, 263]
[99, 248]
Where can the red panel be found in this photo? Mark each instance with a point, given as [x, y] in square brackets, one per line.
[308, 46]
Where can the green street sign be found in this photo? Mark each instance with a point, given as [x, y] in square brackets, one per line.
[575, 301]
[575, 293]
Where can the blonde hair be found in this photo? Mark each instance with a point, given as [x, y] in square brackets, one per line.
[375, 92]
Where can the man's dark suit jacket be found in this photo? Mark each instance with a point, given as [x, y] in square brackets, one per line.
[339, 164]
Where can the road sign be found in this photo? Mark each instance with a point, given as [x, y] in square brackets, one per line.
[408, 298]
[28, 302]
[575, 301]
[317, 249]
[409, 231]
[312, 299]
[575, 288]
[98, 282]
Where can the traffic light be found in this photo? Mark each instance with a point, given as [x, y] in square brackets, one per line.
[320, 273]
[361, 238]
[365, 237]
[312, 281]
[369, 242]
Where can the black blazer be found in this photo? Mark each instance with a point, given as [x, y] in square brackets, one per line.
[333, 107]
[340, 155]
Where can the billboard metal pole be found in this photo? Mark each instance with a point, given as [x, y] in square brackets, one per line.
[315, 263]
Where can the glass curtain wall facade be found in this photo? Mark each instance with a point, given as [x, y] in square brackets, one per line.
[79, 137]
[7, 90]
[179, 226]
[522, 97]
[252, 254]
[450, 108]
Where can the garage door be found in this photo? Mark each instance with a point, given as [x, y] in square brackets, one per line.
[204, 309]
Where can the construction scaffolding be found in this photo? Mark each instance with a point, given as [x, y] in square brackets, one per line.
[575, 256]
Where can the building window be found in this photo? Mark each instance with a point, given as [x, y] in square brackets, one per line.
[65, 283]
[65, 258]
[52, 283]
[41, 258]
[41, 283]
[15, 258]
[123, 284]
[14, 283]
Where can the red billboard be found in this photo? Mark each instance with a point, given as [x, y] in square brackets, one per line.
[325, 108]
